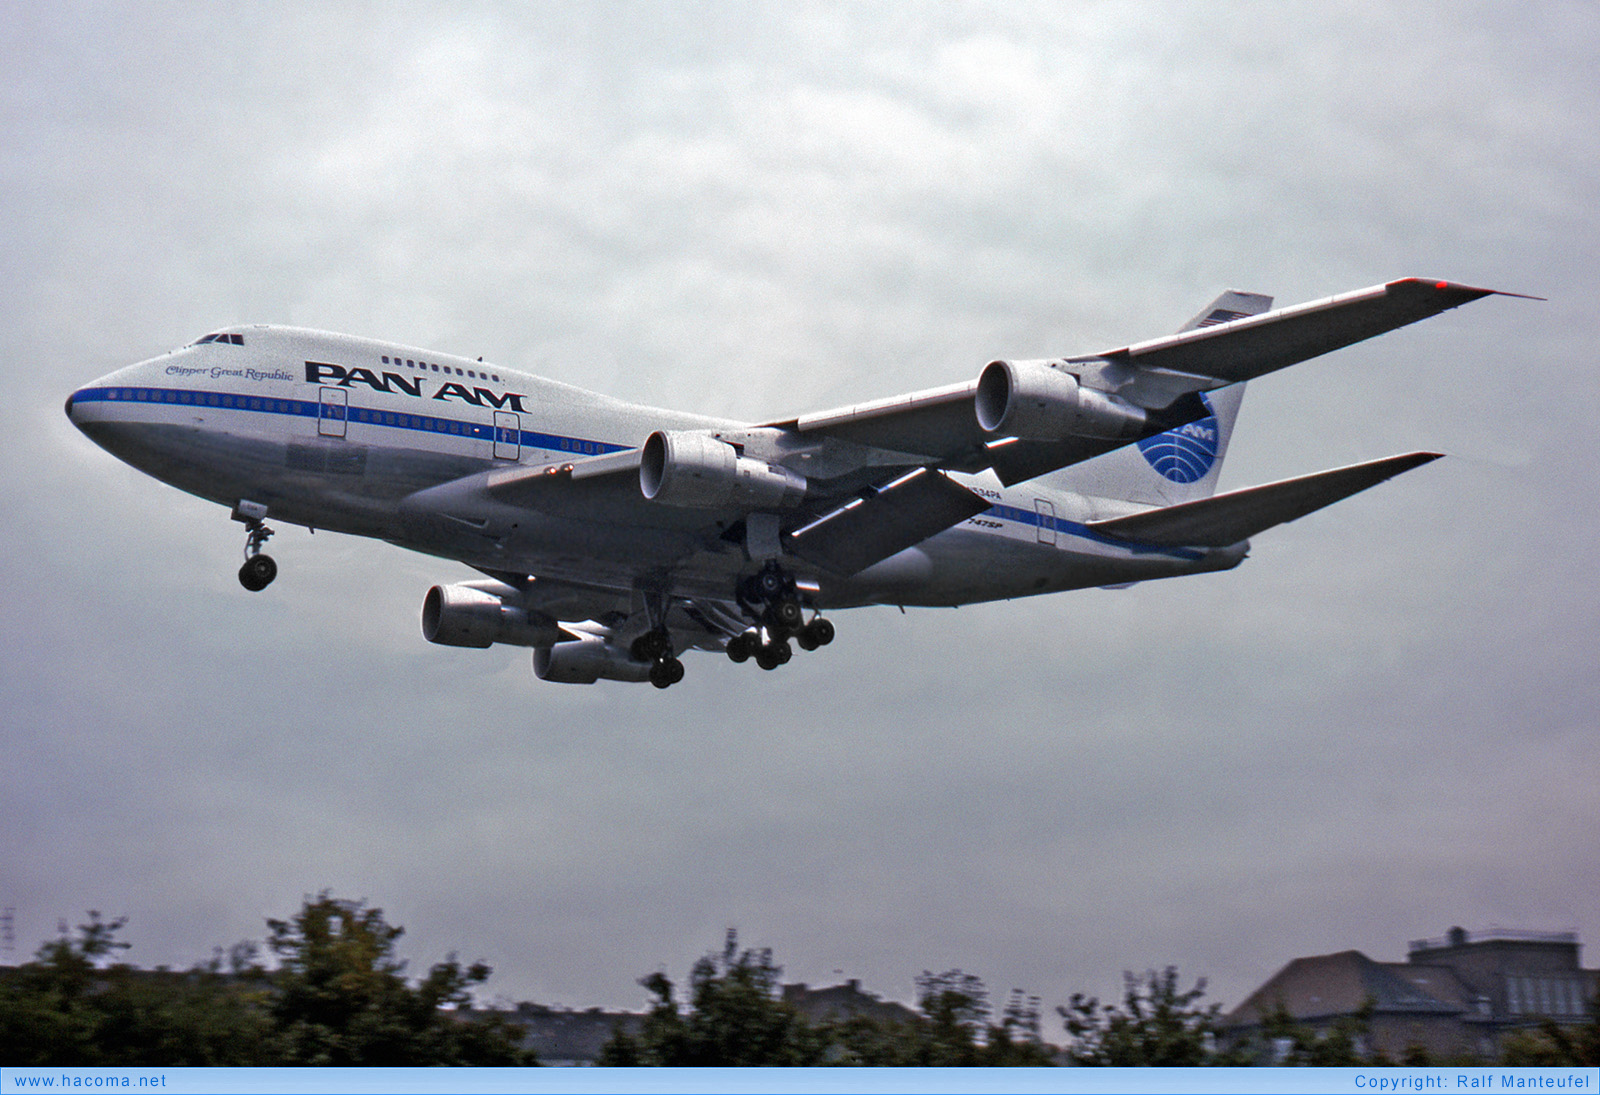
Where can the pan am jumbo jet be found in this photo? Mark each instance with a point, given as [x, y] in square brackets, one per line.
[614, 536]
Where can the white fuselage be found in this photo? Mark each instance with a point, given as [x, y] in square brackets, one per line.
[336, 432]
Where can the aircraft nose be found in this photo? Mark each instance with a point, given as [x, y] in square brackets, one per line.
[74, 406]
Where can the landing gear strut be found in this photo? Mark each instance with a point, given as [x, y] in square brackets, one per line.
[258, 570]
[771, 598]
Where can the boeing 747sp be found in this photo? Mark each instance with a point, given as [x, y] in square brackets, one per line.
[612, 537]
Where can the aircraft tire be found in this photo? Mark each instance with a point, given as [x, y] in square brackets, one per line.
[666, 672]
[652, 645]
[821, 631]
[769, 583]
[257, 573]
[740, 647]
[787, 613]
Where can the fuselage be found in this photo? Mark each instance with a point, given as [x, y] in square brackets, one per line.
[337, 432]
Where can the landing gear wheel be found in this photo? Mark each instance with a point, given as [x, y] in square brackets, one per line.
[820, 631]
[666, 672]
[776, 604]
[773, 654]
[741, 647]
[257, 573]
[258, 570]
[769, 583]
[652, 645]
[787, 613]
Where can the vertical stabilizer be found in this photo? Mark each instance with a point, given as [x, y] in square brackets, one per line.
[1228, 307]
[1180, 465]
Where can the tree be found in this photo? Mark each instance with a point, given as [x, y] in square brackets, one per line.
[1556, 1043]
[72, 1005]
[1156, 1024]
[1017, 1041]
[339, 997]
[735, 1017]
[342, 998]
[954, 1007]
[1340, 1046]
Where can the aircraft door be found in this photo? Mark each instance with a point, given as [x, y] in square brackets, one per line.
[507, 435]
[332, 412]
[1047, 521]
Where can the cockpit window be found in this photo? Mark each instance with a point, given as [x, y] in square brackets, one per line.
[220, 336]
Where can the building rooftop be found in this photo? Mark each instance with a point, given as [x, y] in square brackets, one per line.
[1341, 984]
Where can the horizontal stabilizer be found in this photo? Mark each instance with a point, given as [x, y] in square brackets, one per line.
[885, 522]
[1238, 515]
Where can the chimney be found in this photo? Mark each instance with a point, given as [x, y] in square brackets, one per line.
[1458, 937]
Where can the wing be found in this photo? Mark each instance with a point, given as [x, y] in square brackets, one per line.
[1212, 356]
[856, 484]
[1234, 340]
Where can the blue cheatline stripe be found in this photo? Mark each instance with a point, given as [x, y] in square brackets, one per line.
[301, 408]
[1034, 519]
[455, 427]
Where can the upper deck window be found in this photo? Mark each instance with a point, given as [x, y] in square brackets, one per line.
[409, 363]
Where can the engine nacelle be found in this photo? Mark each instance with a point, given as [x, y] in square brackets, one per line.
[586, 660]
[480, 614]
[1033, 401]
[697, 471]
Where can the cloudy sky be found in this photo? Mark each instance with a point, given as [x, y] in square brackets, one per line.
[1385, 723]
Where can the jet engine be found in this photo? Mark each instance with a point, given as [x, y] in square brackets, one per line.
[698, 471]
[1037, 402]
[586, 660]
[480, 614]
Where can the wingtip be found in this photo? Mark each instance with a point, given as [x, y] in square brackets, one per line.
[1411, 461]
[1465, 293]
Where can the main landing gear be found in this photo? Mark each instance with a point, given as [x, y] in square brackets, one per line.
[771, 598]
[655, 647]
[258, 570]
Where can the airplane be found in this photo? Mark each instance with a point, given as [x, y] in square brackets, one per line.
[612, 537]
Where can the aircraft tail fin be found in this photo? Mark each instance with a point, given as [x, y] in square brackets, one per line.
[1228, 307]
[1238, 515]
[1182, 464]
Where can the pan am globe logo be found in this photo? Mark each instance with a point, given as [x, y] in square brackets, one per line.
[1186, 454]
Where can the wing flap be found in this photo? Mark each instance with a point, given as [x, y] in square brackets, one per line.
[1238, 515]
[509, 481]
[889, 520]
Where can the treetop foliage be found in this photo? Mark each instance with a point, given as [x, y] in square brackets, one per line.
[338, 997]
[735, 1015]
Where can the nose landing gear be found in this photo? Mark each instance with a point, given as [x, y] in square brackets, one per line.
[258, 570]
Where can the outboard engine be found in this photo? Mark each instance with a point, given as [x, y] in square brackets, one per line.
[1036, 401]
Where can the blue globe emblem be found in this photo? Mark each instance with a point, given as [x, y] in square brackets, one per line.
[1186, 454]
